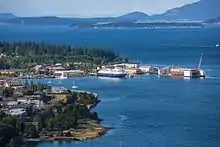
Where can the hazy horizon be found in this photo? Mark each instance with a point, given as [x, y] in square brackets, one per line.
[85, 8]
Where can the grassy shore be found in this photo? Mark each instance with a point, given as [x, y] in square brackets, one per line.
[88, 129]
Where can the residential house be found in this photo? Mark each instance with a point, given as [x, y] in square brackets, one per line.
[58, 90]
[17, 112]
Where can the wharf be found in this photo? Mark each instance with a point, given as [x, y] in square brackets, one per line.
[173, 71]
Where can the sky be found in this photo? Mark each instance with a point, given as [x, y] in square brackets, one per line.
[87, 8]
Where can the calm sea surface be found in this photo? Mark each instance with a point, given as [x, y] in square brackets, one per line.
[148, 111]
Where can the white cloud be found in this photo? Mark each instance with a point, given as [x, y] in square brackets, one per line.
[87, 8]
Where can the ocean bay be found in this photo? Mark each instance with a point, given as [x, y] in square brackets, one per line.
[146, 111]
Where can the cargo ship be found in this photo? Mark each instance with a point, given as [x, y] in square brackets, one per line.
[113, 73]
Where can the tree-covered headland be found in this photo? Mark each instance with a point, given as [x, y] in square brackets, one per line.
[68, 118]
[20, 55]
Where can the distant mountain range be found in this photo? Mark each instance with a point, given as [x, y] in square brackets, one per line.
[198, 11]
[213, 20]
[6, 16]
[132, 17]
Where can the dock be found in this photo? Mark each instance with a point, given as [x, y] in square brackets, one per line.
[132, 70]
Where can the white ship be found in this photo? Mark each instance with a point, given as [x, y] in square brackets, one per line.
[114, 73]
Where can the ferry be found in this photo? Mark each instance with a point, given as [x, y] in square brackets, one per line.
[113, 73]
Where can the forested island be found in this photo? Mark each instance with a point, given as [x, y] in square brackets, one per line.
[213, 21]
[22, 55]
[64, 116]
[141, 25]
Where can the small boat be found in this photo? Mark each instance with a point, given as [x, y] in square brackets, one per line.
[74, 86]
[217, 45]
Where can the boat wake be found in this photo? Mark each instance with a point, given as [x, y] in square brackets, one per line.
[122, 119]
[182, 45]
[113, 99]
[213, 77]
[209, 69]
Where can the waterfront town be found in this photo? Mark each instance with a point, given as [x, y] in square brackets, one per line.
[39, 60]
[29, 101]
[128, 69]
[49, 113]
[38, 111]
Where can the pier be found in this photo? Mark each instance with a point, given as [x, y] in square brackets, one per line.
[132, 70]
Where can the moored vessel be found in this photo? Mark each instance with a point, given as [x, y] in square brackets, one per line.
[74, 86]
[113, 73]
[183, 72]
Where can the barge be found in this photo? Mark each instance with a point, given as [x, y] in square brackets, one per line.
[182, 72]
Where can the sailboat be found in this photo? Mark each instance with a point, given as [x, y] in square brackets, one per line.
[74, 85]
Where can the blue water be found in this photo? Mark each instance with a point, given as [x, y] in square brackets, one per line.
[148, 111]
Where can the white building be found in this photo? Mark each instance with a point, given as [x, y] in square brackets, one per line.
[67, 73]
[146, 68]
[17, 111]
[38, 103]
[23, 100]
[12, 103]
[127, 65]
[57, 90]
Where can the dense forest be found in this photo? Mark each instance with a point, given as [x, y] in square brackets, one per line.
[26, 54]
[65, 117]
[9, 130]
[67, 114]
